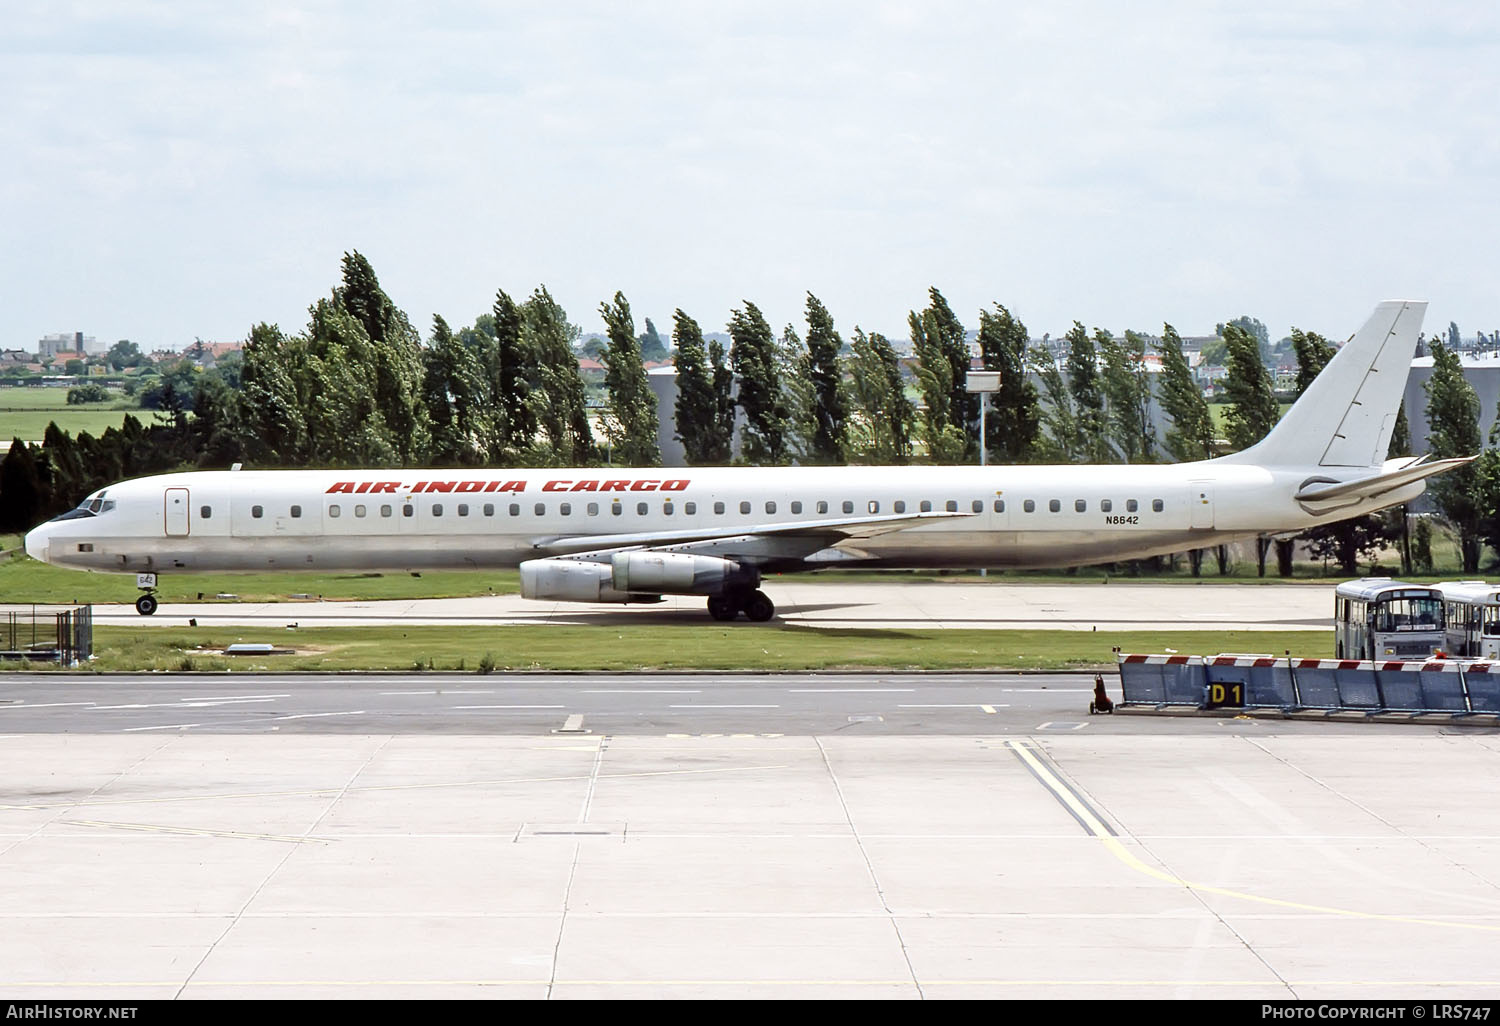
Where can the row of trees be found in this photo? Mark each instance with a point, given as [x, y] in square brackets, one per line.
[360, 386]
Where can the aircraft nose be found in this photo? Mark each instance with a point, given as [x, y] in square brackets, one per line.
[36, 543]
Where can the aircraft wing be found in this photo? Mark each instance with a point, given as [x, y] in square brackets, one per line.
[769, 541]
[1378, 485]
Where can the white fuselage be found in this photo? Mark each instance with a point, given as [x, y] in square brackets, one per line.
[406, 520]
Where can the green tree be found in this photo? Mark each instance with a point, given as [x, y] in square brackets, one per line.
[944, 336]
[1059, 436]
[881, 417]
[826, 377]
[455, 393]
[1313, 352]
[702, 428]
[652, 348]
[513, 373]
[1127, 390]
[1191, 436]
[797, 396]
[22, 496]
[1255, 329]
[1453, 422]
[555, 400]
[1254, 409]
[1014, 421]
[631, 422]
[753, 356]
[395, 354]
[943, 439]
[1091, 444]
[275, 429]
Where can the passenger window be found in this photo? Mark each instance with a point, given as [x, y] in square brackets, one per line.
[977, 506]
[385, 511]
[333, 510]
[1029, 505]
[616, 507]
[770, 507]
[951, 506]
[463, 509]
[257, 512]
[1055, 505]
[489, 509]
[540, 509]
[999, 505]
[873, 507]
[666, 508]
[796, 507]
[926, 506]
[1157, 505]
[359, 511]
[1131, 505]
[593, 509]
[899, 506]
[408, 510]
[1080, 506]
[296, 511]
[437, 509]
[690, 508]
[848, 506]
[640, 509]
[822, 506]
[515, 509]
[744, 507]
[565, 509]
[1105, 505]
[206, 512]
[719, 508]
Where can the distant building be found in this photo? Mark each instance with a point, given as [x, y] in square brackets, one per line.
[1481, 370]
[70, 344]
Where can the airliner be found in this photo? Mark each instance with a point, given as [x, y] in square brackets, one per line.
[634, 535]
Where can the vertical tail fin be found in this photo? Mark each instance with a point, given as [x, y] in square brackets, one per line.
[1346, 416]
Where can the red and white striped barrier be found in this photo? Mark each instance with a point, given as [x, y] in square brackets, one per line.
[1390, 666]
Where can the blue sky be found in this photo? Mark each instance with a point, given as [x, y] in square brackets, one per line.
[179, 170]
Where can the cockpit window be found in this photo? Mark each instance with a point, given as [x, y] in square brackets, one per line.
[88, 508]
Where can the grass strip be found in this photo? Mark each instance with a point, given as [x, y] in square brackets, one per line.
[659, 647]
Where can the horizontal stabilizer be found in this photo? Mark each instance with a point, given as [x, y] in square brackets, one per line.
[1374, 487]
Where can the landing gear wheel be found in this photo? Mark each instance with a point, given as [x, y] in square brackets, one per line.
[146, 605]
[722, 608]
[759, 608]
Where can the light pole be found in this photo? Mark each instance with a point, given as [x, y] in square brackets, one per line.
[983, 383]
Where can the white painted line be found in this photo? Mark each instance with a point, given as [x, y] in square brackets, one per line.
[44, 705]
[632, 691]
[308, 716]
[701, 706]
[961, 705]
[510, 707]
[1049, 691]
[165, 726]
[233, 698]
[989, 709]
[408, 692]
[851, 691]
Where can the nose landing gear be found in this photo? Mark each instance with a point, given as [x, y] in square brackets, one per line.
[146, 604]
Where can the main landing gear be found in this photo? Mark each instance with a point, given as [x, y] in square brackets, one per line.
[755, 605]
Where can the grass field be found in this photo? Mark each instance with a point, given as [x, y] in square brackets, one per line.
[26, 412]
[655, 647]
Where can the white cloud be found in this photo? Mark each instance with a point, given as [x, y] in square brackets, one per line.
[179, 170]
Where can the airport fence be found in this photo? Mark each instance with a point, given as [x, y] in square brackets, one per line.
[47, 633]
[1238, 681]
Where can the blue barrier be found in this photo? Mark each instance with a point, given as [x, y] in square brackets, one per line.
[1447, 686]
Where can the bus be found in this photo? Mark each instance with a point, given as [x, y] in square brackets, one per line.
[1473, 615]
[1378, 618]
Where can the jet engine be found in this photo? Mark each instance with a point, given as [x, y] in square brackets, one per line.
[572, 580]
[678, 573]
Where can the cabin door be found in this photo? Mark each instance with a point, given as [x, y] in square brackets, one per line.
[1201, 504]
[176, 512]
